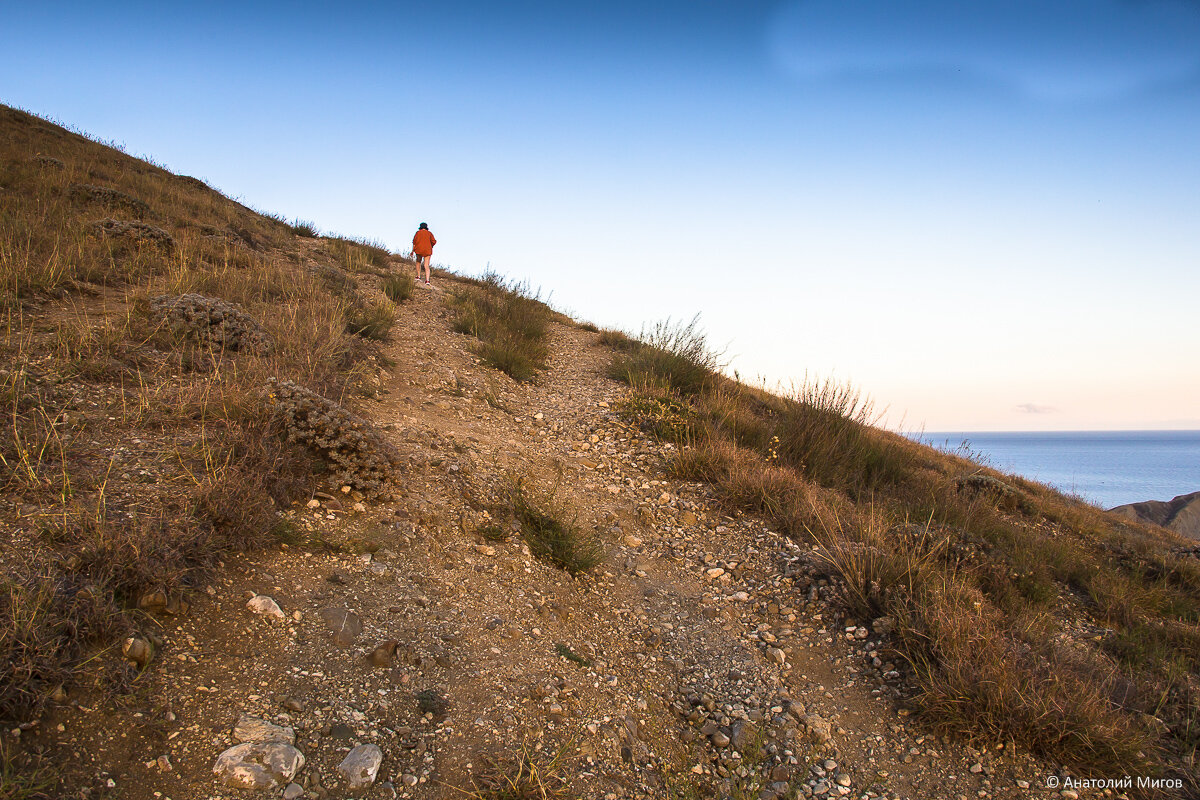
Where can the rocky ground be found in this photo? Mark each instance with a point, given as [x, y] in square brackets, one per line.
[415, 648]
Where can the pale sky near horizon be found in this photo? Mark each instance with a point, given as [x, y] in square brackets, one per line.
[984, 215]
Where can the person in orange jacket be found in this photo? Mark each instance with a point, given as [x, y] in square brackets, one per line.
[423, 243]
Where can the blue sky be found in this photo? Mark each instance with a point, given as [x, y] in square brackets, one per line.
[983, 214]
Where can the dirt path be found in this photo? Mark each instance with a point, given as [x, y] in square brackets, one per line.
[700, 659]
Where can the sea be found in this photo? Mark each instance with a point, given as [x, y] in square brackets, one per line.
[1105, 468]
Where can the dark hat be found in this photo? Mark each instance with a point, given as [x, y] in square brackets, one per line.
[424, 227]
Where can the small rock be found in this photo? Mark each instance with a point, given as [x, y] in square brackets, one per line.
[258, 765]
[261, 604]
[977, 768]
[137, 650]
[361, 765]
[819, 729]
[384, 654]
[293, 791]
[346, 625]
[253, 729]
[720, 739]
[715, 572]
[744, 735]
[154, 600]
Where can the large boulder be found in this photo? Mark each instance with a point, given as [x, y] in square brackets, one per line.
[1181, 514]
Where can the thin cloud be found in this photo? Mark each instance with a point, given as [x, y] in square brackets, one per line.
[1048, 49]
[1035, 408]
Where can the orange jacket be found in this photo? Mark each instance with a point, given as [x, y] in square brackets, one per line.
[423, 243]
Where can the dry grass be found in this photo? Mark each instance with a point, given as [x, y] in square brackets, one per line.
[138, 453]
[671, 355]
[526, 775]
[399, 287]
[978, 570]
[358, 255]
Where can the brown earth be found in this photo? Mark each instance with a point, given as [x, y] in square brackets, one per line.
[700, 659]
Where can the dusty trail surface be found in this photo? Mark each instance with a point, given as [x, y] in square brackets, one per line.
[700, 659]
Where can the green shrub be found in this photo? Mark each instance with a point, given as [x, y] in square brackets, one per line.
[662, 415]
[510, 322]
[551, 534]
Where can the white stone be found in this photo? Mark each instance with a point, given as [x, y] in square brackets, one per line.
[259, 765]
[361, 765]
[261, 604]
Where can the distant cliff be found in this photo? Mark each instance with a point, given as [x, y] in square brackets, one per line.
[1181, 515]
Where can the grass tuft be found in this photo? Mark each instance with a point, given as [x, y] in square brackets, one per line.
[551, 531]
[510, 322]
[399, 287]
[673, 355]
[304, 228]
[371, 321]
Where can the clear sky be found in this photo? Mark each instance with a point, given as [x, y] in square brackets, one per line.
[984, 214]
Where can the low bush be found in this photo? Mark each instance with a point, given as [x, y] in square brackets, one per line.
[134, 232]
[304, 228]
[355, 255]
[824, 430]
[360, 456]
[662, 415]
[212, 322]
[45, 622]
[108, 198]
[618, 340]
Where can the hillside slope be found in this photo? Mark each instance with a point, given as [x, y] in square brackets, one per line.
[1180, 514]
[746, 632]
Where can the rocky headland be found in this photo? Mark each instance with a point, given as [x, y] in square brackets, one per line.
[1181, 514]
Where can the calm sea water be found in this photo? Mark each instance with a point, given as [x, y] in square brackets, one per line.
[1108, 468]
